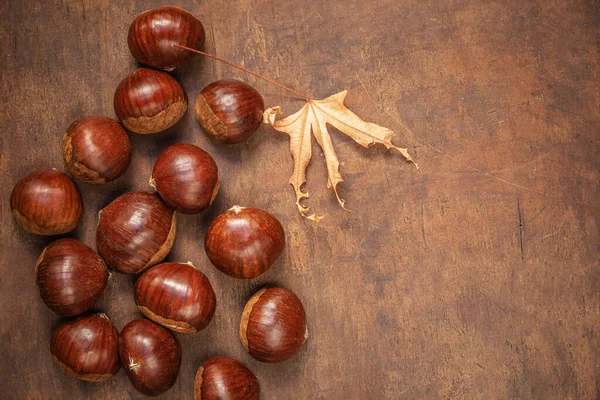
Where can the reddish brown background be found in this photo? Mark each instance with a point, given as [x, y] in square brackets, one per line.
[443, 283]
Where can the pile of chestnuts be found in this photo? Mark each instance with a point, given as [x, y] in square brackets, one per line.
[137, 229]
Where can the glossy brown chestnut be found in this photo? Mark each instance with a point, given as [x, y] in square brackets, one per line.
[229, 110]
[96, 149]
[186, 177]
[154, 32]
[177, 296]
[70, 277]
[46, 202]
[149, 101]
[244, 242]
[273, 326]
[135, 232]
[150, 355]
[222, 378]
[87, 347]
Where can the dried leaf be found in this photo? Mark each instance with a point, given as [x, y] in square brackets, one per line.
[315, 116]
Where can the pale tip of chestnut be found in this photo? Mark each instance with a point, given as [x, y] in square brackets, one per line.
[133, 366]
[152, 182]
[236, 209]
[103, 315]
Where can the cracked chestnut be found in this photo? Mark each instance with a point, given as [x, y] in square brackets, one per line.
[244, 242]
[149, 101]
[177, 296]
[135, 232]
[186, 177]
[153, 33]
[229, 110]
[70, 277]
[150, 355]
[273, 326]
[96, 149]
[87, 347]
[46, 202]
[225, 378]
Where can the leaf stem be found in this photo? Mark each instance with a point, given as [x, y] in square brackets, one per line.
[305, 97]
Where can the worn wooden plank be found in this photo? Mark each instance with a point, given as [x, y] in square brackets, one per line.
[476, 277]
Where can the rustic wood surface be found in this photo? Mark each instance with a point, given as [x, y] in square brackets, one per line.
[476, 277]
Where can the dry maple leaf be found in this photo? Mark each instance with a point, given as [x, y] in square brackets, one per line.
[314, 116]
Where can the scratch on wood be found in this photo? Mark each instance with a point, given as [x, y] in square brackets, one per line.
[521, 227]
[214, 48]
[423, 223]
[547, 236]
[538, 214]
[525, 164]
[318, 13]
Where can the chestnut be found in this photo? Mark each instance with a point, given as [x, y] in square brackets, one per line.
[225, 378]
[153, 33]
[244, 242]
[177, 296]
[150, 355]
[46, 202]
[70, 277]
[87, 347]
[149, 101]
[96, 149]
[230, 110]
[273, 326]
[135, 232]
[186, 177]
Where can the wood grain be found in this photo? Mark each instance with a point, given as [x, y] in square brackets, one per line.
[476, 277]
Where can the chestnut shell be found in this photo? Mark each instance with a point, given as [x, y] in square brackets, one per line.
[244, 242]
[135, 232]
[224, 378]
[273, 326]
[149, 101]
[87, 347]
[153, 33]
[70, 276]
[150, 355]
[229, 110]
[46, 202]
[177, 296]
[186, 177]
[96, 149]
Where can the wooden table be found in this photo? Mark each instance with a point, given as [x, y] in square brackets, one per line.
[476, 277]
